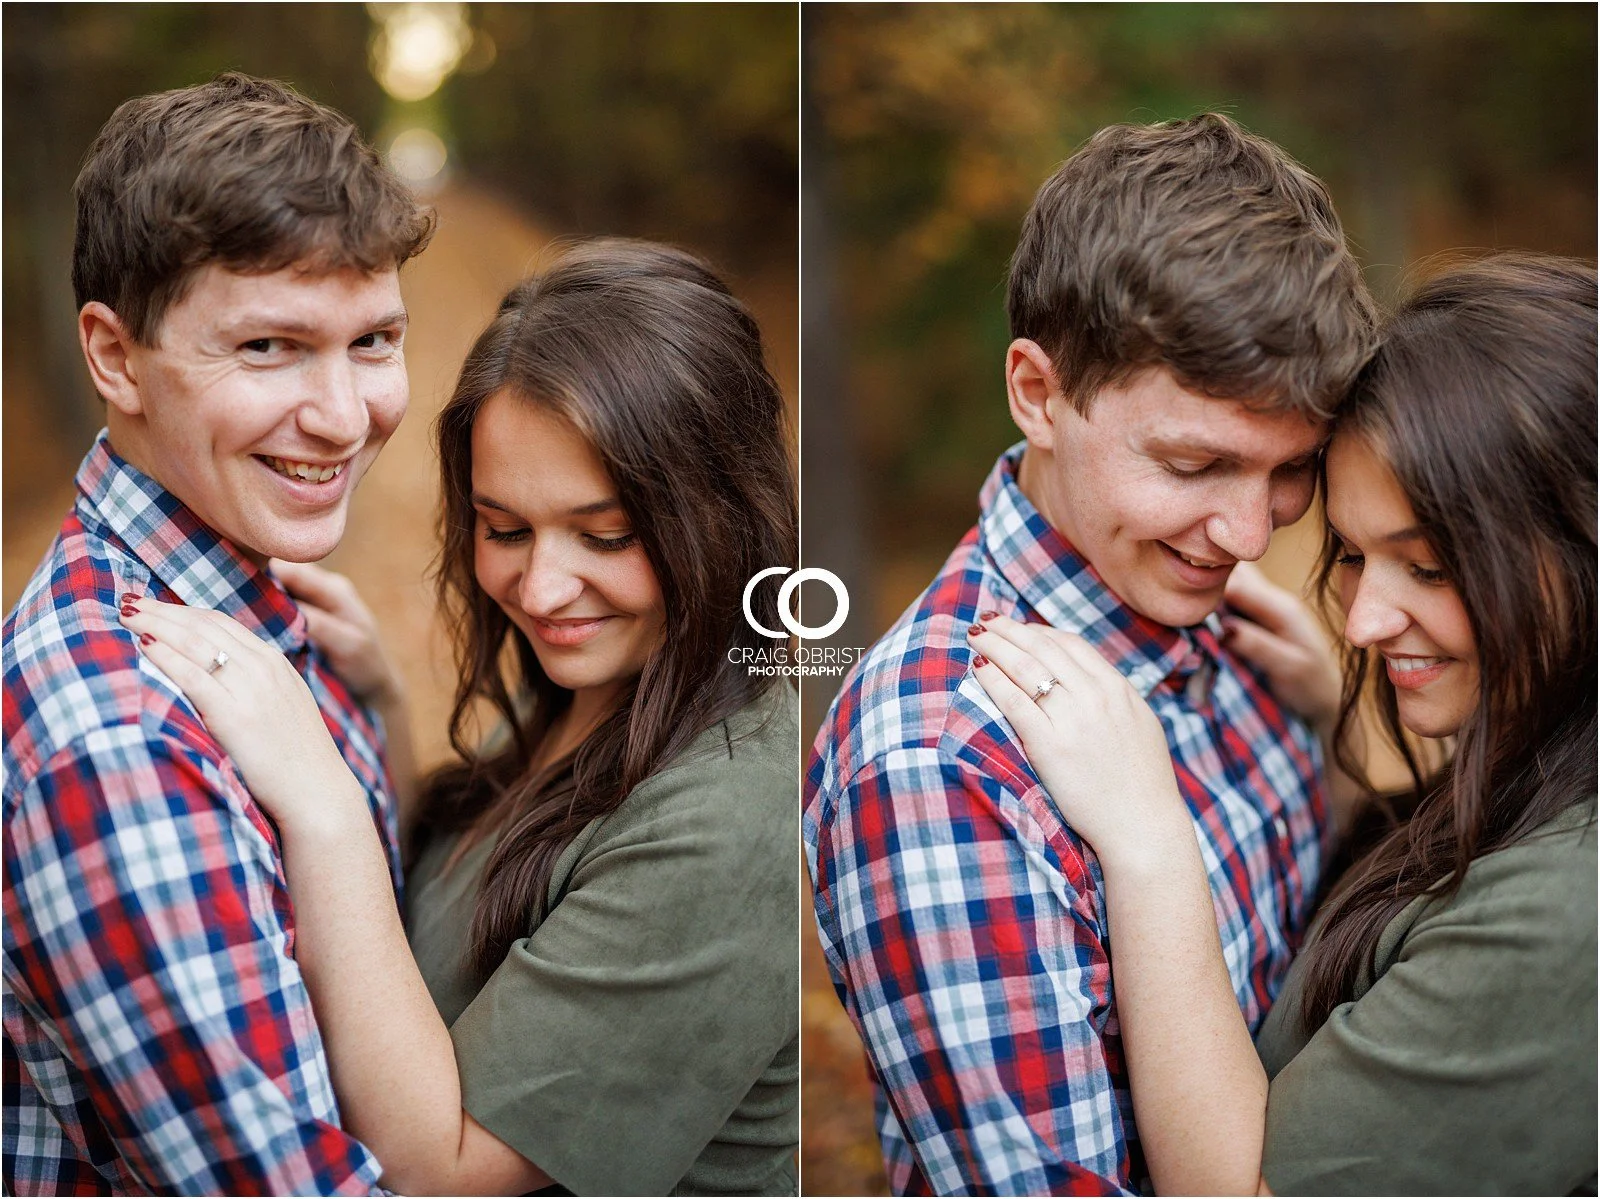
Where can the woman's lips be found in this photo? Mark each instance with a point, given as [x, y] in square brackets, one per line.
[1409, 673]
[566, 633]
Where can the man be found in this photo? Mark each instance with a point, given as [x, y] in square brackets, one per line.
[236, 267]
[1186, 316]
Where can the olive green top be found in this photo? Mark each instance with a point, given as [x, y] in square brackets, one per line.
[1465, 1065]
[643, 1038]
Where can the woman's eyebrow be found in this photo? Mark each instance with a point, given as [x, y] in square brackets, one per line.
[594, 509]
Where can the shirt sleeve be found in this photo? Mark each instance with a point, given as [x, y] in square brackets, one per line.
[613, 1044]
[145, 929]
[1469, 1066]
[972, 964]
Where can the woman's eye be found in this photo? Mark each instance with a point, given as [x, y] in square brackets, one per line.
[611, 544]
[1428, 574]
[490, 533]
[1351, 560]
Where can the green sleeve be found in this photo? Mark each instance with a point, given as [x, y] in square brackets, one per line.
[1469, 1066]
[613, 1044]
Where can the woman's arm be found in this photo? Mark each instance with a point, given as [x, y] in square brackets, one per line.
[1199, 1092]
[390, 1054]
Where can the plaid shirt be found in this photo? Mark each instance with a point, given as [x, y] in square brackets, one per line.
[964, 923]
[158, 1035]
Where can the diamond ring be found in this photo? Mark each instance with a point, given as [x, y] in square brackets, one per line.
[1045, 688]
[218, 662]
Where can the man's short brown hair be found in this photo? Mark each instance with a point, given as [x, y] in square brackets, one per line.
[243, 172]
[1199, 247]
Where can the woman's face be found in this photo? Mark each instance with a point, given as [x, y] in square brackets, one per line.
[556, 551]
[1396, 598]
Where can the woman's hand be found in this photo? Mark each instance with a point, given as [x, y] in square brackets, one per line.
[344, 630]
[258, 708]
[1095, 744]
[1277, 633]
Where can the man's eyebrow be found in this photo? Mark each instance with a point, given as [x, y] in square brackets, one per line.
[1184, 445]
[280, 323]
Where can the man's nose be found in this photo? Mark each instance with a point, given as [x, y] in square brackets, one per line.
[1242, 524]
[1372, 617]
[336, 412]
[548, 584]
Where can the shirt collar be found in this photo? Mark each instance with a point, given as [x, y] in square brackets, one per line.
[1055, 581]
[182, 553]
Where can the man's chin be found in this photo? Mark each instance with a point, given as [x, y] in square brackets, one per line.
[297, 541]
[1178, 609]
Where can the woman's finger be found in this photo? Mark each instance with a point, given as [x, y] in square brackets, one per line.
[216, 626]
[202, 688]
[1252, 594]
[1027, 717]
[997, 642]
[326, 589]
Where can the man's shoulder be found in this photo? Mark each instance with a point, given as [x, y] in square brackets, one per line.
[913, 736]
[71, 671]
[899, 695]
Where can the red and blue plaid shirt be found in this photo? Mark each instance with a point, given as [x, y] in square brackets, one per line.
[158, 1035]
[964, 923]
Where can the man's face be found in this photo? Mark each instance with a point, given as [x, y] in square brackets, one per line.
[266, 398]
[1164, 490]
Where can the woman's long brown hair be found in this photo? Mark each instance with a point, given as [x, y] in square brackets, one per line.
[646, 353]
[1482, 402]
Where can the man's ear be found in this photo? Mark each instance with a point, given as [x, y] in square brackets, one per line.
[106, 344]
[1031, 389]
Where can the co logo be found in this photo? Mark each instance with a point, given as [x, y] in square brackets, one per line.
[786, 602]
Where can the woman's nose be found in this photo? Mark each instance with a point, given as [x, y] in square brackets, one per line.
[547, 584]
[1372, 616]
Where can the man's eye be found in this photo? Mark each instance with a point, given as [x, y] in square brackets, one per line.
[380, 340]
[1186, 470]
[262, 345]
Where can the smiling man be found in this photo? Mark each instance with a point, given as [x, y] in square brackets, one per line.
[236, 267]
[1186, 317]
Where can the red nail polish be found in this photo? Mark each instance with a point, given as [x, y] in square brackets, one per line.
[129, 610]
[978, 660]
[130, 598]
[146, 639]
[990, 615]
[974, 629]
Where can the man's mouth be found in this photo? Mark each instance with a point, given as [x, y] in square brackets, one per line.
[306, 472]
[1199, 568]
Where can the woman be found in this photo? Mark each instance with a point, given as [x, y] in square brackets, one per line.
[1437, 1035]
[601, 903]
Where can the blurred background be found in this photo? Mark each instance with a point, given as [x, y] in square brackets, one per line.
[927, 129]
[519, 123]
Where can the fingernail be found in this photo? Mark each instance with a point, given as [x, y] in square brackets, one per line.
[146, 639]
[129, 610]
[974, 629]
[989, 615]
[979, 661]
[131, 600]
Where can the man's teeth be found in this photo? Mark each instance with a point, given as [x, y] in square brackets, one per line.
[1195, 562]
[1403, 665]
[304, 470]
